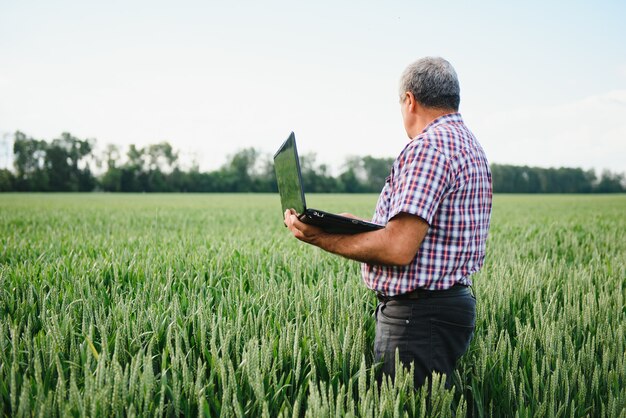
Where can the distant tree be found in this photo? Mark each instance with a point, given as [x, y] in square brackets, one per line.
[265, 178]
[311, 175]
[353, 176]
[376, 172]
[160, 161]
[502, 177]
[111, 179]
[29, 156]
[132, 176]
[575, 180]
[161, 157]
[59, 169]
[6, 180]
[177, 181]
[611, 183]
[524, 179]
[67, 163]
[236, 175]
[590, 179]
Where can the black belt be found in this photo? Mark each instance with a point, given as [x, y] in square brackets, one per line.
[456, 290]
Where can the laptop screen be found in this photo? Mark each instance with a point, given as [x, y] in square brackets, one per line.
[288, 177]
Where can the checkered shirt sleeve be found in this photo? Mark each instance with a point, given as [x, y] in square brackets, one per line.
[420, 182]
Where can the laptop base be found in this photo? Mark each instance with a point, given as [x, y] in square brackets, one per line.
[336, 224]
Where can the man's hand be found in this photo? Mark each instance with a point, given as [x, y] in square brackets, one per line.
[307, 233]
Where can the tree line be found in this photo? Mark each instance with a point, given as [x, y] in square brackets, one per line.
[71, 164]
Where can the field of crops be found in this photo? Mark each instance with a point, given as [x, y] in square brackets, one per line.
[141, 305]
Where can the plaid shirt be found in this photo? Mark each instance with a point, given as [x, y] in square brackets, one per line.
[442, 176]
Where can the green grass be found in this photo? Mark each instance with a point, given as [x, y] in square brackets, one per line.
[136, 305]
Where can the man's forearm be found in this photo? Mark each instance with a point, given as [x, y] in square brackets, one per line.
[367, 247]
[396, 244]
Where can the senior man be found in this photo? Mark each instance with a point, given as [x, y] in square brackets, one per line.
[436, 208]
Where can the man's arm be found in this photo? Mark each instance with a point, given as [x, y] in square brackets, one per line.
[394, 245]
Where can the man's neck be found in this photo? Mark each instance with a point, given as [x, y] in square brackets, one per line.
[425, 117]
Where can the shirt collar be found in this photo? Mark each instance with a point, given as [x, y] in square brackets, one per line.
[447, 118]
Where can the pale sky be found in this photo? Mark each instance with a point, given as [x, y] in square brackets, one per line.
[542, 83]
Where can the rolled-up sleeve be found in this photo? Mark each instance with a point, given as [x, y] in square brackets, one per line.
[420, 183]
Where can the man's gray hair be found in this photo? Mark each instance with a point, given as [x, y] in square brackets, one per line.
[433, 82]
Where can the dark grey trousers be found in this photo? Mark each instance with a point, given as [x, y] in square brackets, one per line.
[432, 332]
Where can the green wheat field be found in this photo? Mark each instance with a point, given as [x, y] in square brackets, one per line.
[144, 305]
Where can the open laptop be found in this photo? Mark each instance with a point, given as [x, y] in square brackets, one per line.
[289, 179]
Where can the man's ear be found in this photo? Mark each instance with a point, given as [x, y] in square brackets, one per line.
[411, 101]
